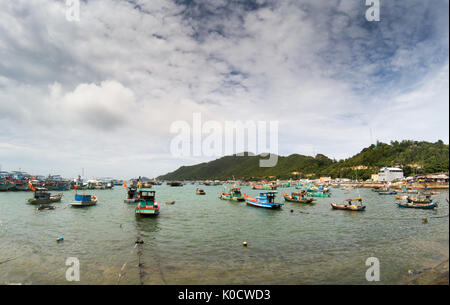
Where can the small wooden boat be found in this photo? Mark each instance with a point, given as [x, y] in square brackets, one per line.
[419, 200]
[132, 195]
[264, 200]
[431, 205]
[387, 193]
[297, 197]
[43, 197]
[349, 206]
[266, 186]
[234, 195]
[147, 205]
[200, 192]
[175, 183]
[319, 194]
[84, 200]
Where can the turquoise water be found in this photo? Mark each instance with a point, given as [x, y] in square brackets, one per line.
[198, 240]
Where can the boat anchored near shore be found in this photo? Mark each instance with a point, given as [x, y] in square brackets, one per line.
[147, 205]
[264, 200]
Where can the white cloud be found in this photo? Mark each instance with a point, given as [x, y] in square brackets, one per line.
[102, 93]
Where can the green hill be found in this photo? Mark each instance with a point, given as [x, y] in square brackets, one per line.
[414, 157]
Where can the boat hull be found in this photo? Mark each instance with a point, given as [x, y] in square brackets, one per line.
[290, 199]
[56, 198]
[417, 206]
[336, 206]
[82, 203]
[144, 209]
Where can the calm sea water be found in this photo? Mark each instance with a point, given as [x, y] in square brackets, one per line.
[198, 240]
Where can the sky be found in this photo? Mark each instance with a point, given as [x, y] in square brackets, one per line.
[99, 95]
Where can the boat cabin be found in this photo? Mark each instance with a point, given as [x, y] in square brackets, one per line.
[270, 196]
[146, 195]
[40, 195]
[82, 198]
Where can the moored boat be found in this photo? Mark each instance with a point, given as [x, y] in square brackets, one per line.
[175, 183]
[430, 205]
[200, 192]
[387, 193]
[132, 195]
[147, 205]
[426, 200]
[234, 194]
[319, 194]
[349, 206]
[264, 200]
[265, 186]
[84, 200]
[43, 197]
[297, 197]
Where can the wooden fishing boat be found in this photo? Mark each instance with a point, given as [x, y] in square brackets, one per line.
[387, 193]
[318, 194]
[264, 200]
[132, 195]
[419, 200]
[234, 194]
[6, 185]
[200, 192]
[147, 205]
[43, 197]
[84, 200]
[297, 197]
[257, 186]
[349, 206]
[175, 183]
[430, 205]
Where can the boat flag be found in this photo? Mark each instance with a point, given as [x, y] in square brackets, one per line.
[125, 183]
[139, 184]
[31, 186]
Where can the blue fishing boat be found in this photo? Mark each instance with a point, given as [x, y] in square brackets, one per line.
[264, 200]
[431, 205]
[84, 200]
[387, 193]
[147, 205]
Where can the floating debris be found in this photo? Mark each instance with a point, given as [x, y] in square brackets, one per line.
[170, 202]
[60, 239]
[244, 244]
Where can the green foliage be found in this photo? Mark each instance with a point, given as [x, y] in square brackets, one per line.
[430, 157]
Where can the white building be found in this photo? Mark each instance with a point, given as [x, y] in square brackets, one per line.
[390, 174]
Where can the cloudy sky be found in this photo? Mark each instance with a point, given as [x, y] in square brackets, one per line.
[101, 93]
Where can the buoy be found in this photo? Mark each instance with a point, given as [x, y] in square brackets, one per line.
[59, 239]
[292, 211]
[244, 244]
